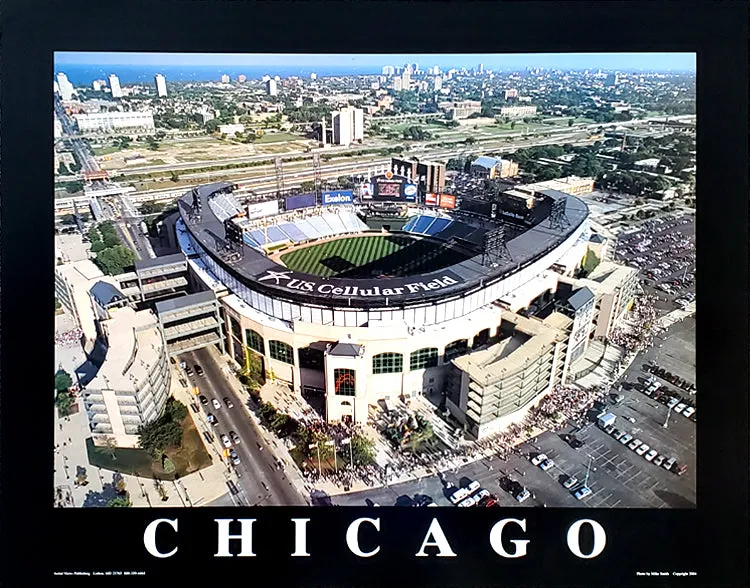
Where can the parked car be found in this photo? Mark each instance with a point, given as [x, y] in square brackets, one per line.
[641, 449]
[672, 402]
[626, 438]
[199, 370]
[667, 465]
[618, 434]
[212, 419]
[546, 464]
[582, 492]
[228, 402]
[203, 399]
[570, 482]
[226, 441]
[216, 403]
[523, 495]
[680, 407]
[679, 469]
[658, 460]
[234, 437]
[609, 429]
[538, 459]
[236, 458]
[650, 455]
[634, 443]
[689, 410]
[189, 370]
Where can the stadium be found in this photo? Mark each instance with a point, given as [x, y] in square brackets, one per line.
[357, 312]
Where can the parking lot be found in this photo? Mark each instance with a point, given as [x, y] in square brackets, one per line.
[664, 251]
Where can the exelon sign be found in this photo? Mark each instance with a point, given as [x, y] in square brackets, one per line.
[288, 281]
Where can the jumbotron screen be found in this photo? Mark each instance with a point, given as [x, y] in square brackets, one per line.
[392, 188]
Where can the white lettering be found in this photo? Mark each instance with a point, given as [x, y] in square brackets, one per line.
[300, 538]
[352, 537]
[436, 531]
[245, 537]
[308, 286]
[496, 539]
[149, 537]
[413, 288]
[325, 288]
[600, 539]
[448, 281]
[338, 291]
[398, 290]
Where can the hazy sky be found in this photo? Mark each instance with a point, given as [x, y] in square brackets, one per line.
[623, 61]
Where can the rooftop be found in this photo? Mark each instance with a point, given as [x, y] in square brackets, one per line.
[182, 302]
[343, 349]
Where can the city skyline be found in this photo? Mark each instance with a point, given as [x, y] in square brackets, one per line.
[570, 61]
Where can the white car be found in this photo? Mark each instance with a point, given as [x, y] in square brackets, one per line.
[523, 495]
[658, 460]
[688, 411]
[483, 493]
[650, 455]
[473, 486]
[538, 459]
[546, 464]
[582, 492]
[634, 443]
[680, 407]
[642, 449]
[626, 438]
[570, 482]
[667, 465]
[459, 495]
[226, 441]
[216, 403]
[466, 502]
[672, 402]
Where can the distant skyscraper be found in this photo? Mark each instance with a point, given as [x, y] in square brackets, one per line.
[406, 79]
[348, 125]
[224, 79]
[64, 86]
[277, 78]
[415, 67]
[241, 78]
[114, 86]
[265, 78]
[313, 76]
[271, 88]
[161, 85]
[397, 86]
[389, 70]
[436, 71]
[97, 85]
[481, 68]
[438, 83]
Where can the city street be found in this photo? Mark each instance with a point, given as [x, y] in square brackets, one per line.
[260, 478]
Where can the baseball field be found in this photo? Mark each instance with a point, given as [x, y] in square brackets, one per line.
[368, 256]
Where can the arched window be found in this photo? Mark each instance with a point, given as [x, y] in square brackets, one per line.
[345, 382]
[481, 338]
[456, 348]
[255, 341]
[423, 358]
[280, 351]
[387, 363]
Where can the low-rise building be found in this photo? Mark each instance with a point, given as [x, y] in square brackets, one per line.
[132, 385]
[518, 111]
[461, 109]
[114, 121]
[231, 130]
[491, 168]
[573, 185]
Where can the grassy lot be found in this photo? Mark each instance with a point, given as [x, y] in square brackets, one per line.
[105, 150]
[155, 162]
[396, 255]
[277, 138]
[190, 457]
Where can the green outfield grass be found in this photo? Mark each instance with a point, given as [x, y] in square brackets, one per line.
[364, 257]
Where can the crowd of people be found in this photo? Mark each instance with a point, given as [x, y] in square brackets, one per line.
[638, 332]
[68, 338]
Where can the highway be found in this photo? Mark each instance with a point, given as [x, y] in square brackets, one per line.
[261, 480]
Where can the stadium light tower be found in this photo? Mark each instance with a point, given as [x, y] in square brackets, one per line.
[279, 177]
[318, 179]
[495, 249]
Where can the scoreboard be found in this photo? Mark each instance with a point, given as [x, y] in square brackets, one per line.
[389, 187]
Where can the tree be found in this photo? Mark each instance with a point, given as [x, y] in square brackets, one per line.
[73, 187]
[62, 169]
[114, 260]
[470, 140]
[64, 403]
[307, 186]
[63, 381]
[119, 502]
[174, 177]
[570, 122]
[58, 304]
[362, 449]
[345, 182]
[97, 246]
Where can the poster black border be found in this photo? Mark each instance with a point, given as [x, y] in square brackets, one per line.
[711, 538]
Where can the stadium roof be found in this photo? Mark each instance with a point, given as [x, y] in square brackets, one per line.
[254, 269]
